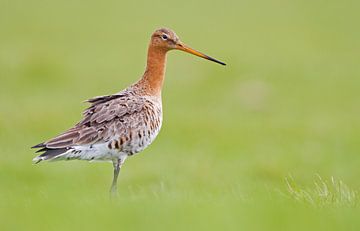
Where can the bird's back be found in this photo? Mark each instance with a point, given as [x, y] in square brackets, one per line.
[120, 124]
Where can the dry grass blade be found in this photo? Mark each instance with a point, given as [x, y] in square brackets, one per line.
[324, 193]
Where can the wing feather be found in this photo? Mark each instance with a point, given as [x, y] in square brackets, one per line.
[107, 116]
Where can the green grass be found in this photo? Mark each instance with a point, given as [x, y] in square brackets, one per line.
[333, 193]
[286, 104]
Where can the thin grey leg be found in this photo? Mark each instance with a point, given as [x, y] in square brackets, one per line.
[117, 166]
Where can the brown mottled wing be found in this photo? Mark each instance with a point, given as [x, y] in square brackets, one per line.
[107, 116]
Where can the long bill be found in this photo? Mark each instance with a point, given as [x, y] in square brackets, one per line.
[183, 47]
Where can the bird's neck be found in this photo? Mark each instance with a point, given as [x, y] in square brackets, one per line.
[154, 75]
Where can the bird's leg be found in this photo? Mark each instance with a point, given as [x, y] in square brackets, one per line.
[117, 166]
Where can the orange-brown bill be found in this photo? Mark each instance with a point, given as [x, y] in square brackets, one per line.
[183, 47]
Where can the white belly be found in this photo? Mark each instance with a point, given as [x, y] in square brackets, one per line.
[105, 152]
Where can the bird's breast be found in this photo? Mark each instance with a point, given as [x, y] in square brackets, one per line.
[141, 129]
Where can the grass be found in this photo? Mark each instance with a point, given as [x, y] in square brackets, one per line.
[333, 193]
[286, 104]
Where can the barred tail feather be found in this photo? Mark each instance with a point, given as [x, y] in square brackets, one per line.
[49, 154]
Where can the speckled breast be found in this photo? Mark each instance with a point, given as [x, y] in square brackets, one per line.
[141, 128]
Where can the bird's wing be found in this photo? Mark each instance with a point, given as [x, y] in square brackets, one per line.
[106, 117]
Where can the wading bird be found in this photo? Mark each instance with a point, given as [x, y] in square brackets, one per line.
[120, 125]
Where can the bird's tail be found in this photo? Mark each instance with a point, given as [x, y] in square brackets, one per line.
[48, 153]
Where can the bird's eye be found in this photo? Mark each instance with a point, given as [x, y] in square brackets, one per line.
[164, 37]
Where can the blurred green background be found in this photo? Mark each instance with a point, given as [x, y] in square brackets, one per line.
[287, 104]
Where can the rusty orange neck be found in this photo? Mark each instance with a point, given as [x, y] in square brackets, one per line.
[154, 74]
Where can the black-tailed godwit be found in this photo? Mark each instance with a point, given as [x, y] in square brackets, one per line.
[120, 125]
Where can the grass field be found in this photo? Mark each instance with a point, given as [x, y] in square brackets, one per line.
[250, 146]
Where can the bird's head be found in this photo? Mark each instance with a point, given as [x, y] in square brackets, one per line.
[165, 39]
